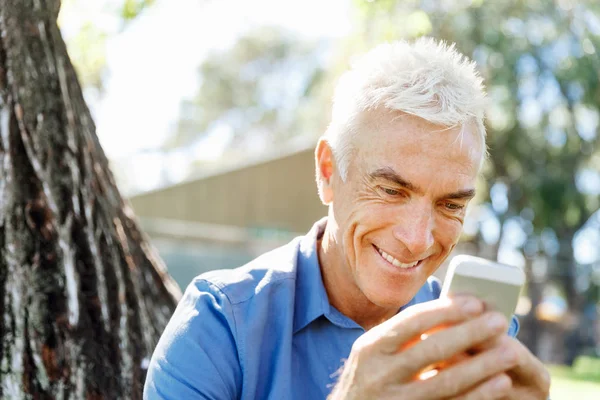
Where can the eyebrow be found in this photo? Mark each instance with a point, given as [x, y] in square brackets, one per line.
[390, 175]
[461, 194]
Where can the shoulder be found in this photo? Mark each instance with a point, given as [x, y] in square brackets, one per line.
[200, 337]
[259, 275]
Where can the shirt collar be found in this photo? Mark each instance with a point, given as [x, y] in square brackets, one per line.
[311, 297]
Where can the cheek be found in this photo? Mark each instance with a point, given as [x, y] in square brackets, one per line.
[372, 217]
[358, 224]
[447, 232]
[377, 210]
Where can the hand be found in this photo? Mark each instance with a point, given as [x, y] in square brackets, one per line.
[385, 362]
[530, 379]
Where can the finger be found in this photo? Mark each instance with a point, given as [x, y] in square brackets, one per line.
[415, 320]
[464, 377]
[495, 341]
[501, 340]
[455, 359]
[485, 345]
[497, 387]
[529, 370]
[445, 344]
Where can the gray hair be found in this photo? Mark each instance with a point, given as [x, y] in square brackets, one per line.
[428, 79]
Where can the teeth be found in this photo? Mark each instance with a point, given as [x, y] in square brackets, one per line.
[395, 262]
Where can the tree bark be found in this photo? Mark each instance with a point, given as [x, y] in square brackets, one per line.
[83, 296]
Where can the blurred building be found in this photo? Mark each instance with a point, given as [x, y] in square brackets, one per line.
[224, 219]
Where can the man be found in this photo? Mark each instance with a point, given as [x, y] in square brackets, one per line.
[397, 168]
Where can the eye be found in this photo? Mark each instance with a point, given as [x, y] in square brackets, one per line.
[391, 192]
[453, 206]
[388, 191]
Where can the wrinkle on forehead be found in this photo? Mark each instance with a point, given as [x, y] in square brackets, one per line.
[389, 137]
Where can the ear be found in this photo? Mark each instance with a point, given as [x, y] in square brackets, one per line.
[325, 167]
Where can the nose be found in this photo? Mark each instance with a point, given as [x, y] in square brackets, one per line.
[415, 230]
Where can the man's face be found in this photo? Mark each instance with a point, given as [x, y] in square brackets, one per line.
[400, 211]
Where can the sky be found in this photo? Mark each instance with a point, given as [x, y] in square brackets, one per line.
[151, 66]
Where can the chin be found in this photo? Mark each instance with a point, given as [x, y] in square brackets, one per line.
[387, 286]
[390, 296]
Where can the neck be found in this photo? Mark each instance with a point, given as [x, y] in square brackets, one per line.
[341, 288]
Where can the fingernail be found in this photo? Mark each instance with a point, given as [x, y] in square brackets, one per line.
[496, 321]
[471, 306]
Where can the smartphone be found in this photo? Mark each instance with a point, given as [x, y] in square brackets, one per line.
[497, 285]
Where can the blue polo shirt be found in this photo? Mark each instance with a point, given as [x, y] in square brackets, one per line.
[262, 331]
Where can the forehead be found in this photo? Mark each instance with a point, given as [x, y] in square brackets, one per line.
[394, 137]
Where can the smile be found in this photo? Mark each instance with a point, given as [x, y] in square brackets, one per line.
[394, 261]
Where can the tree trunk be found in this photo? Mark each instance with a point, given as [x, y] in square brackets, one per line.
[83, 296]
[532, 328]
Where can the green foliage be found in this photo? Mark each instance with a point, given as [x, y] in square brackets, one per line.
[584, 369]
[587, 368]
[132, 8]
[259, 89]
